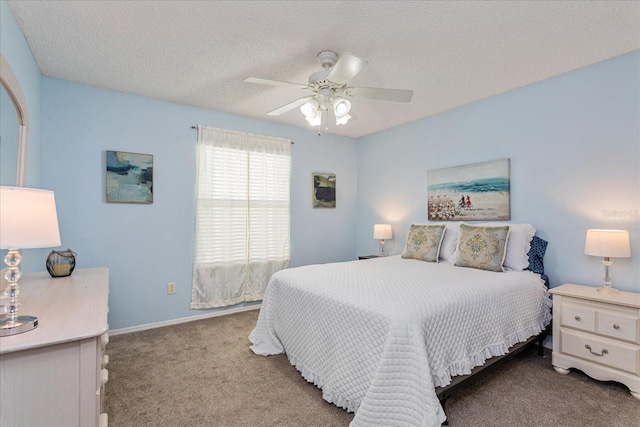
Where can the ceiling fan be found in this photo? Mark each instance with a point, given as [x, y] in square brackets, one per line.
[330, 90]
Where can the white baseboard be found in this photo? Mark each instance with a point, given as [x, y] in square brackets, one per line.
[122, 331]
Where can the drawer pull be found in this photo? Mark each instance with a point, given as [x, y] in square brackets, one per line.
[604, 351]
[104, 340]
[104, 376]
[616, 326]
[577, 318]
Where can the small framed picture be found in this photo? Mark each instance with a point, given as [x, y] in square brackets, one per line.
[324, 190]
[129, 177]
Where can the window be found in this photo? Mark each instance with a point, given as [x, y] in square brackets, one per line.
[242, 216]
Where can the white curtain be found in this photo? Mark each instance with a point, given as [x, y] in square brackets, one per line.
[242, 216]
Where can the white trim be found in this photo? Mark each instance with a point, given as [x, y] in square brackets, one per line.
[21, 170]
[147, 326]
[10, 82]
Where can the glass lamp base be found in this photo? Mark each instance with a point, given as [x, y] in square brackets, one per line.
[22, 324]
[608, 290]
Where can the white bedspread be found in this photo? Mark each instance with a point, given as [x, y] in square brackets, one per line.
[377, 336]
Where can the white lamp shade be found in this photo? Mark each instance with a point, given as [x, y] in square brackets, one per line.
[608, 243]
[28, 218]
[382, 231]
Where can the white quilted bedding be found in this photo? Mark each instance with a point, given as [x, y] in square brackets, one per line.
[377, 336]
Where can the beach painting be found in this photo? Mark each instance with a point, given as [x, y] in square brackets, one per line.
[324, 190]
[474, 192]
[129, 177]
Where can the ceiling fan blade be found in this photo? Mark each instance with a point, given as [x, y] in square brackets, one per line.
[346, 68]
[397, 95]
[290, 106]
[274, 83]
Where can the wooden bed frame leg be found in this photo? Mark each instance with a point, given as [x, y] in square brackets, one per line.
[540, 348]
[442, 403]
[541, 339]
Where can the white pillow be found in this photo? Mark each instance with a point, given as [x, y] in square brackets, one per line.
[449, 241]
[518, 246]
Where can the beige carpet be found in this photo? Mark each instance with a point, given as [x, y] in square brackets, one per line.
[203, 373]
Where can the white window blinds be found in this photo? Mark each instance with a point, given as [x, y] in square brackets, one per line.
[242, 216]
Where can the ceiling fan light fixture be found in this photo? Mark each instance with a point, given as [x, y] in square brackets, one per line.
[343, 119]
[315, 119]
[329, 85]
[310, 108]
[341, 107]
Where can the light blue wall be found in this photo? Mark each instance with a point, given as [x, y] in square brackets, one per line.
[573, 141]
[574, 145]
[15, 49]
[147, 246]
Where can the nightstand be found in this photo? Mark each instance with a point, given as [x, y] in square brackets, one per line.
[598, 334]
[368, 256]
[55, 375]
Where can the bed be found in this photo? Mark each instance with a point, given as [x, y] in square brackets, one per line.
[380, 336]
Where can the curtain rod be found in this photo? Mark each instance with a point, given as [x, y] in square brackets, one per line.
[196, 127]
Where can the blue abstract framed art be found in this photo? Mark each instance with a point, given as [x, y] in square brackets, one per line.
[129, 177]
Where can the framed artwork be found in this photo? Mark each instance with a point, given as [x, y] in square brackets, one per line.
[324, 190]
[129, 177]
[474, 192]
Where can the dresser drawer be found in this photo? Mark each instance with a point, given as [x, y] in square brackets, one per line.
[581, 317]
[618, 326]
[614, 354]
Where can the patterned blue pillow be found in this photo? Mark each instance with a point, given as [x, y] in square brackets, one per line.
[536, 255]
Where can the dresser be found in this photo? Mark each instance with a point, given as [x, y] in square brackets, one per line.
[597, 333]
[55, 374]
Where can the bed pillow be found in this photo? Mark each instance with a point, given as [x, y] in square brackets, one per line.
[423, 242]
[520, 236]
[482, 247]
[450, 241]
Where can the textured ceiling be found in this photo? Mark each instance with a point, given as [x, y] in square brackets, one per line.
[198, 52]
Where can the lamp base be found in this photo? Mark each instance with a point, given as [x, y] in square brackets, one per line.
[21, 324]
[608, 290]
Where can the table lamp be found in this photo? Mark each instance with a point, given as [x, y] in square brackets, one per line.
[382, 232]
[608, 244]
[28, 219]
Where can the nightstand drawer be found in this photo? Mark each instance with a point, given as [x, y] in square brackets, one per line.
[600, 350]
[578, 317]
[617, 326]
